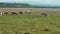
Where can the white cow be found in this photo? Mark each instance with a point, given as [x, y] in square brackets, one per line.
[28, 12]
[1, 13]
[44, 13]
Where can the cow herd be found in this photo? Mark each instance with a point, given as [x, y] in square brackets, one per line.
[20, 12]
[15, 13]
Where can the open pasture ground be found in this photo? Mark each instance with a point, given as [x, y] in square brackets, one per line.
[31, 24]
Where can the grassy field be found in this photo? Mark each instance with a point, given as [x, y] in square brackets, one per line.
[32, 24]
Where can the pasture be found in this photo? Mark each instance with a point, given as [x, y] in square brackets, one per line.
[31, 24]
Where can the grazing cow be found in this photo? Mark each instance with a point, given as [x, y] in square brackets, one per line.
[14, 13]
[1, 13]
[28, 12]
[6, 13]
[44, 13]
[21, 12]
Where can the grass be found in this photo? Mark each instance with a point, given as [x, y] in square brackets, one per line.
[31, 24]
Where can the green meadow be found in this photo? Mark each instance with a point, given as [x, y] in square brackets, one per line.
[31, 24]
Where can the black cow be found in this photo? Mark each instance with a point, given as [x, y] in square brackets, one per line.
[21, 12]
[14, 13]
[6, 13]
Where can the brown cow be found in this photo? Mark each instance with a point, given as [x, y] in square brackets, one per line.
[14, 13]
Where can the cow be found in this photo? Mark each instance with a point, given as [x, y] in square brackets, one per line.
[44, 13]
[1, 13]
[14, 13]
[6, 13]
[28, 12]
[21, 12]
